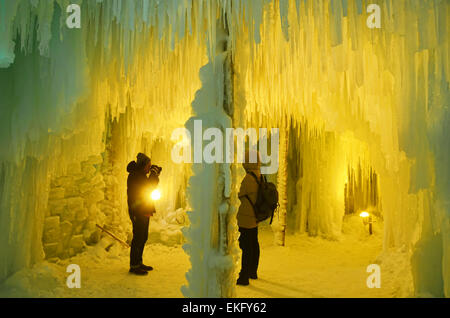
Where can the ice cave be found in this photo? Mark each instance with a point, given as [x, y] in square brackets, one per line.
[357, 89]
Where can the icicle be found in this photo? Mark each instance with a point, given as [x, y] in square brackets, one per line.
[7, 14]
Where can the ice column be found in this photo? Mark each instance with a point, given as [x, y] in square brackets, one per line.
[280, 223]
[209, 237]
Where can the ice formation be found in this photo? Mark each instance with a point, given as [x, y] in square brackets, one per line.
[77, 104]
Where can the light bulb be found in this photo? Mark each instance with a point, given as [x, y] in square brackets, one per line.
[156, 195]
[364, 214]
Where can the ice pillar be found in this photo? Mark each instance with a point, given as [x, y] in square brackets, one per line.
[280, 228]
[210, 236]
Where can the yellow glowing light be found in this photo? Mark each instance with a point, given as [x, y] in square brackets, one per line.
[364, 214]
[156, 195]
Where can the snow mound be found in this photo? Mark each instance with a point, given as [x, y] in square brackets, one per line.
[166, 229]
[42, 280]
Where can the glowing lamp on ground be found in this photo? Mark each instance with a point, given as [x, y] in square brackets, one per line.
[155, 195]
[367, 218]
[364, 214]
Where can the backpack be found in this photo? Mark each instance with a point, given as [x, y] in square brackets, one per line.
[266, 199]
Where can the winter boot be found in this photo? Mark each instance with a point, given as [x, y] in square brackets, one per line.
[138, 271]
[242, 281]
[253, 276]
[146, 268]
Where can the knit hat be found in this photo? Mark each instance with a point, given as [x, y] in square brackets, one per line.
[142, 159]
[251, 155]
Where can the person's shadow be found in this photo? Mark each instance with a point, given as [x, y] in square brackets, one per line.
[273, 294]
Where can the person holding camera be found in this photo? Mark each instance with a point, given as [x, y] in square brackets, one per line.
[140, 207]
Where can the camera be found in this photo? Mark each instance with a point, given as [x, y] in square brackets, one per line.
[155, 169]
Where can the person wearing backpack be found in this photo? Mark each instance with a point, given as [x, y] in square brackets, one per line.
[247, 222]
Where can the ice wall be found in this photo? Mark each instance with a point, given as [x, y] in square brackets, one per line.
[59, 98]
[73, 209]
[384, 95]
[37, 95]
[316, 171]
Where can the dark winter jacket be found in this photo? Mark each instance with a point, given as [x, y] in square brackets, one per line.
[139, 188]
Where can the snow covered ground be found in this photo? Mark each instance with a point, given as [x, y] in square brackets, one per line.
[317, 267]
[306, 267]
